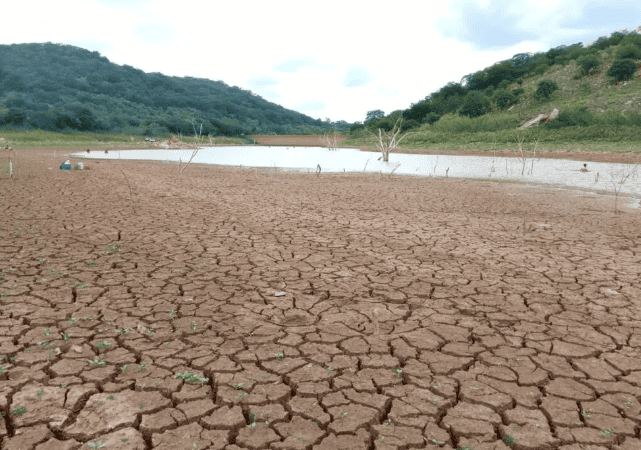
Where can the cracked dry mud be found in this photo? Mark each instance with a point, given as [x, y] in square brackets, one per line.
[230, 309]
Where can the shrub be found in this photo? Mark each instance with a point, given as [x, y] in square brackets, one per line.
[628, 52]
[406, 125]
[631, 39]
[546, 88]
[518, 91]
[504, 98]
[519, 81]
[540, 69]
[622, 69]
[573, 117]
[432, 117]
[503, 84]
[588, 63]
[476, 104]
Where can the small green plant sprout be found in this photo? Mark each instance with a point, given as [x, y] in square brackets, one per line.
[90, 264]
[344, 413]
[103, 344]
[585, 414]
[72, 320]
[142, 406]
[124, 368]
[607, 432]
[330, 368]
[81, 285]
[193, 326]
[64, 386]
[172, 314]
[149, 332]
[40, 392]
[113, 247]
[397, 371]
[509, 440]
[20, 410]
[42, 261]
[47, 332]
[124, 439]
[142, 367]
[280, 355]
[65, 336]
[301, 438]
[3, 370]
[97, 362]
[252, 416]
[111, 397]
[437, 442]
[96, 445]
[189, 377]
[242, 394]
[239, 385]
[123, 330]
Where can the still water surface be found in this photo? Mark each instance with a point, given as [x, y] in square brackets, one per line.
[559, 173]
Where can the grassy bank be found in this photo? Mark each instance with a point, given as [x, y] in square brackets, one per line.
[40, 138]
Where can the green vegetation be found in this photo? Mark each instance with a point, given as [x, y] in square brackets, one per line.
[85, 100]
[595, 89]
[83, 91]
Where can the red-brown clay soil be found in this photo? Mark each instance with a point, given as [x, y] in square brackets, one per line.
[236, 309]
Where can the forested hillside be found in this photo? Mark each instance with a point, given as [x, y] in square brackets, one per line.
[57, 87]
[585, 83]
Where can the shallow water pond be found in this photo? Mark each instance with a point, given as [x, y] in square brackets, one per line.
[601, 178]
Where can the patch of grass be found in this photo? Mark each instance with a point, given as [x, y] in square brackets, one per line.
[189, 377]
[124, 368]
[20, 410]
[509, 440]
[97, 362]
[103, 344]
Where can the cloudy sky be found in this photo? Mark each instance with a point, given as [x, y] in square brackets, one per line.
[336, 59]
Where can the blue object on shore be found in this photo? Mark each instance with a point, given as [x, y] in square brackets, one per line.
[65, 165]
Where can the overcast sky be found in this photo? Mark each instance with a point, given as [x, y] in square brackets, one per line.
[336, 59]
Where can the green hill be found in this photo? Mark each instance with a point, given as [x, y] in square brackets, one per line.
[56, 87]
[597, 91]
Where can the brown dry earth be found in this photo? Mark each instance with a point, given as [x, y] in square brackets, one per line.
[344, 311]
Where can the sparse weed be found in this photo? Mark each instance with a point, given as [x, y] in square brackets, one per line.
[19, 411]
[103, 344]
[97, 362]
[189, 377]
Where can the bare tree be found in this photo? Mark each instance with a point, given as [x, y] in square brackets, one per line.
[622, 176]
[387, 141]
[198, 135]
[330, 142]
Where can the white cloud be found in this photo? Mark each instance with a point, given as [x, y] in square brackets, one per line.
[336, 59]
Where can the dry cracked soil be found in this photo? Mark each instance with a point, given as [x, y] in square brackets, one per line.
[237, 309]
